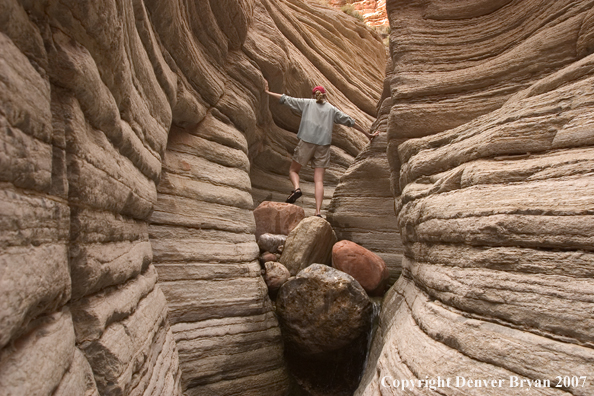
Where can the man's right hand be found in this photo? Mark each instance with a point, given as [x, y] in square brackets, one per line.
[370, 136]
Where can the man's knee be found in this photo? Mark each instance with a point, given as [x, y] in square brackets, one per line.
[295, 167]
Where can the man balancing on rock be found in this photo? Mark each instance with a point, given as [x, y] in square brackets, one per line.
[315, 135]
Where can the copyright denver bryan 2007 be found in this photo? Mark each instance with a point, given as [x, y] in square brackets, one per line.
[512, 381]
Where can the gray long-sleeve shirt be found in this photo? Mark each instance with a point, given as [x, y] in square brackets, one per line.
[317, 119]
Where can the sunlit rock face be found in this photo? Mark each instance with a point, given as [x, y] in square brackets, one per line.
[136, 141]
[373, 11]
[491, 146]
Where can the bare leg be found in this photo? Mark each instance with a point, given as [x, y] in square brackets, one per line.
[319, 188]
[294, 174]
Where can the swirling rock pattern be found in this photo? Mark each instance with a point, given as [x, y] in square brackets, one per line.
[495, 195]
[135, 139]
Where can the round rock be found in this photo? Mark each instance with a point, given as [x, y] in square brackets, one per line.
[267, 256]
[322, 310]
[276, 274]
[366, 267]
[271, 242]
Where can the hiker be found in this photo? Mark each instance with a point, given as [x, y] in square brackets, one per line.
[315, 135]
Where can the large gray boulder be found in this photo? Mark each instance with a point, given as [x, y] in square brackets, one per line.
[310, 242]
[325, 317]
[322, 309]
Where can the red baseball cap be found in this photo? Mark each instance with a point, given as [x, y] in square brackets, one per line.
[318, 88]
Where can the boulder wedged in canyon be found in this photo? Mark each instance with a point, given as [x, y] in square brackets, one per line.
[277, 218]
[272, 243]
[132, 135]
[325, 317]
[496, 203]
[322, 310]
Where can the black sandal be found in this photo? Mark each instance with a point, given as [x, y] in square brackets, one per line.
[295, 194]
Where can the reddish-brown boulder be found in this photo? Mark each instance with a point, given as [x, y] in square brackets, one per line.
[277, 218]
[365, 266]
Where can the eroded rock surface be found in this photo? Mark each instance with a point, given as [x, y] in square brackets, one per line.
[117, 115]
[228, 158]
[81, 313]
[316, 49]
[495, 200]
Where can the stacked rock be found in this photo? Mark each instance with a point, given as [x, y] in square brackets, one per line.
[321, 289]
[274, 222]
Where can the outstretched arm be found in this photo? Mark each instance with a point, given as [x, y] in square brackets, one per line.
[295, 104]
[370, 136]
[274, 95]
[345, 119]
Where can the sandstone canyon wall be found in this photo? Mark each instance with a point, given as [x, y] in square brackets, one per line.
[136, 141]
[491, 148]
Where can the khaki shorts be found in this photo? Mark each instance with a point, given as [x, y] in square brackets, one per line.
[319, 155]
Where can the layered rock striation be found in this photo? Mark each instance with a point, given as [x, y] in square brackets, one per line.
[81, 311]
[136, 141]
[491, 143]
